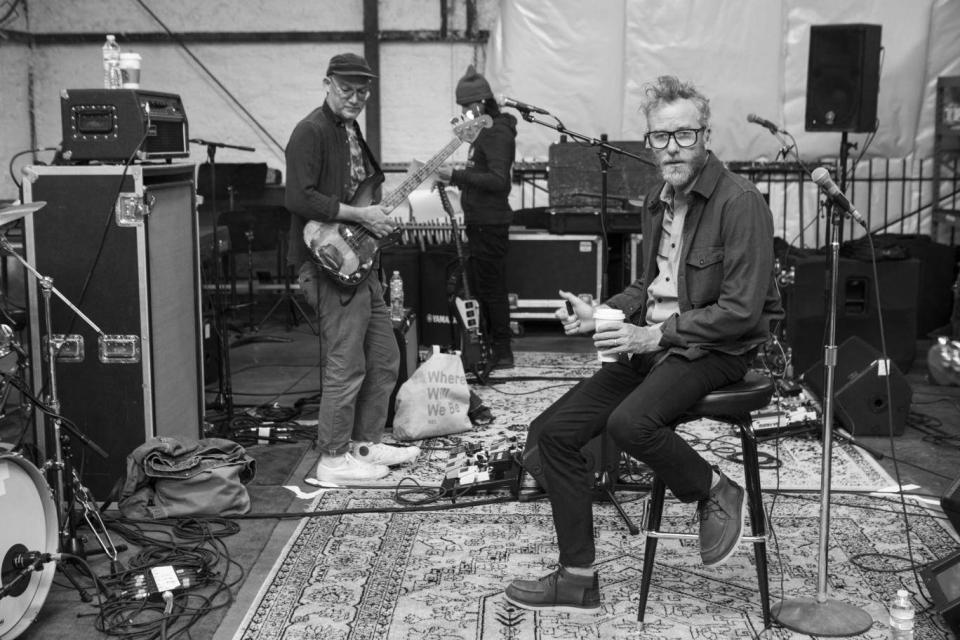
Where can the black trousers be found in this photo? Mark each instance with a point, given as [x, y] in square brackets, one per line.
[634, 401]
[488, 278]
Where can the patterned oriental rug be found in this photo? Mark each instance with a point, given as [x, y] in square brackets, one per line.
[370, 569]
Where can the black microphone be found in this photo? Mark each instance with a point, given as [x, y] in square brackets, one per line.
[222, 145]
[754, 118]
[504, 101]
[822, 177]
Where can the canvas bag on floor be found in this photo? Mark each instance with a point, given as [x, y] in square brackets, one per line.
[434, 401]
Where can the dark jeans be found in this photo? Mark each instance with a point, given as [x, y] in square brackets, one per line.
[635, 402]
[488, 277]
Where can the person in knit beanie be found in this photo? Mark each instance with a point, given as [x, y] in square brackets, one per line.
[472, 87]
[484, 190]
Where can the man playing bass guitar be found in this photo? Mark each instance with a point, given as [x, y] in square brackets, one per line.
[327, 160]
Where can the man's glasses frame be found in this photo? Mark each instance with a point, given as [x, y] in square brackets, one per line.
[348, 93]
[684, 138]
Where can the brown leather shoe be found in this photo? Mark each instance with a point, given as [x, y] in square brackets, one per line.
[559, 591]
[721, 521]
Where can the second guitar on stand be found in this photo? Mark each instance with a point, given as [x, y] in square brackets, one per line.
[474, 350]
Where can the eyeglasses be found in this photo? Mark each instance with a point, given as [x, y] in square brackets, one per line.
[349, 92]
[683, 137]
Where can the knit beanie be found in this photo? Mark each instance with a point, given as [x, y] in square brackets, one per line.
[472, 87]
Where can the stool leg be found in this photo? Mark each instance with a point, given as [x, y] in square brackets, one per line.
[751, 472]
[654, 515]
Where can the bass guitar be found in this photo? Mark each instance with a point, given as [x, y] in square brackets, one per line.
[473, 349]
[347, 250]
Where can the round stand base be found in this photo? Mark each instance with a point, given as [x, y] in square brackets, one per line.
[830, 618]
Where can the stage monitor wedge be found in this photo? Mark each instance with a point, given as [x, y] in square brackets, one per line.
[843, 77]
[862, 404]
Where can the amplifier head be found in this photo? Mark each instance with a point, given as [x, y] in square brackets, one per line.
[113, 125]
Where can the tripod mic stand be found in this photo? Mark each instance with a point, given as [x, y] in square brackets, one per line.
[67, 483]
[224, 399]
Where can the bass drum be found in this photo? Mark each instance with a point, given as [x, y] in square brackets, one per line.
[30, 524]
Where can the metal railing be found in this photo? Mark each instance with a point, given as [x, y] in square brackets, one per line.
[895, 195]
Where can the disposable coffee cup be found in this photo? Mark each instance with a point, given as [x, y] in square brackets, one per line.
[607, 320]
[130, 70]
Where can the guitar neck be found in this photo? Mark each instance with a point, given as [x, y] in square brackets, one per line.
[412, 181]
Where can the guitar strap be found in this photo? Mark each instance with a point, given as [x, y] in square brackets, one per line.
[366, 150]
[376, 169]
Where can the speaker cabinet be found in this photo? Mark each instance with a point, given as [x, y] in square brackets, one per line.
[950, 502]
[942, 579]
[439, 277]
[843, 77]
[139, 281]
[857, 312]
[860, 395]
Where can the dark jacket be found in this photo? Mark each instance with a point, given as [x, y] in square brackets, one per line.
[485, 182]
[727, 292]
[318, 165]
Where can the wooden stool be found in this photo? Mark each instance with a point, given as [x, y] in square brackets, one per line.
[731, 405]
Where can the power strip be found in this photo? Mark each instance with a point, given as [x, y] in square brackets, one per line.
[157, 580]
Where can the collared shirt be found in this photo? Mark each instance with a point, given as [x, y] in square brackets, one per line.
[358, 170]
[662, 293]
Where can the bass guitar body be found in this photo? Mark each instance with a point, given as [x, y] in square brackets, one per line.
[344, 249]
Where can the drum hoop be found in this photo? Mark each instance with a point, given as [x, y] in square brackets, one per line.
[40, 581]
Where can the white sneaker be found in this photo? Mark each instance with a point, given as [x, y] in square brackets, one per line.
[347, 469]
[390, 455]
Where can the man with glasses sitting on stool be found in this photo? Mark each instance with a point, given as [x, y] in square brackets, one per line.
[703, 303]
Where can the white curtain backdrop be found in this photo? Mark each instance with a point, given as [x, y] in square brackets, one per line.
[586, 63]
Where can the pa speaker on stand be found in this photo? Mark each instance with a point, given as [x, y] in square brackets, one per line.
[843, 77]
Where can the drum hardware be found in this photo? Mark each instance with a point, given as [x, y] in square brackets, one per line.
[67, 486]
[13, 374]
[29, 547]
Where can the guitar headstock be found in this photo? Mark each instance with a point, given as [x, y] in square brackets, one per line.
[469, 125]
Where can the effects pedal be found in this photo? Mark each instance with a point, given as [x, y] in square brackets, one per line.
[474, 469]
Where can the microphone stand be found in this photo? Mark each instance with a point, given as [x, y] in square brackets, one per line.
[822, 615]
[224, 399]
[67, 487]
[605, 483]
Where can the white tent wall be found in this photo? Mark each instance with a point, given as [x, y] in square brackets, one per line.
[276, 83]
[584, 61]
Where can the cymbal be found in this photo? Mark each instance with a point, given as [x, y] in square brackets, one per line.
[14, 212]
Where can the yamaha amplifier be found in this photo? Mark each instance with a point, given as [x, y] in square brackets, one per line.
[115, 125]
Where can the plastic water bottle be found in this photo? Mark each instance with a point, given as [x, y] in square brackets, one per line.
[901, 616]
[396, 296]
[111, 63]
